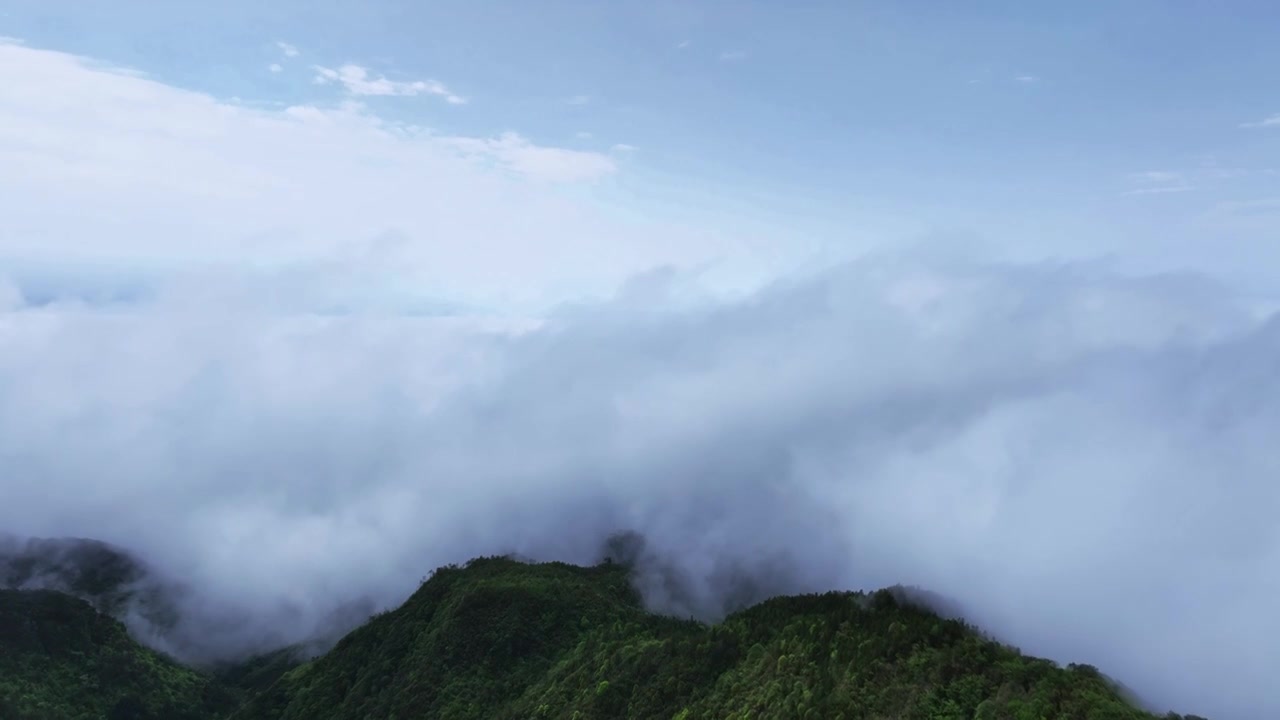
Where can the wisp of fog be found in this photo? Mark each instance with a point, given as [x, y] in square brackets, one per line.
[1084, 461]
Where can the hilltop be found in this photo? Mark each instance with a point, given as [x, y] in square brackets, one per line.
[502, 638]
[61, 659]
[103, 575]
[499, 638]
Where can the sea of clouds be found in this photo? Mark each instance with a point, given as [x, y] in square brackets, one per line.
[1083, 460]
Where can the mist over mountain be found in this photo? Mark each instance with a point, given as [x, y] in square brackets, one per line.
[501, 638]
[1080, 459]
[103, 575]
[60, 659]
[160, 611]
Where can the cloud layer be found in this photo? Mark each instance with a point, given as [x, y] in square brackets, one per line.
[358, 81]
[1085, 462]
[162, 177]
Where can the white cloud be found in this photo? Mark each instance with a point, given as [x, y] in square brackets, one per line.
[1231, 173]
[1158, 182]
[583, 135]
[1259, 206]
[275, 67]
[683, 44]
[289, 50]
[358, 81]
[578, 100]
[1085, 462]
[1027, 79]
[733, 55]
[1157, 176]
[517, 153]
[624, 148]
[11, 296]
[163, 177]
[1209, 174]
[1273, 121]
[1159, 190]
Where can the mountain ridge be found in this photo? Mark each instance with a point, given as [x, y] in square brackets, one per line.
[62, 659]
[499, 637]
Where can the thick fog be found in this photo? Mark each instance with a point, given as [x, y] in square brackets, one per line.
[1084, 461]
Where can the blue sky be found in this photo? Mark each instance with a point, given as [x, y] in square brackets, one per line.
[821, 129]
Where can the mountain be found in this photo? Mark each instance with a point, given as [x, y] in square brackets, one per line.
[103, 575]
[107, 577]
[499, 638]
[154, 607]
[61, 659]
[503, 638]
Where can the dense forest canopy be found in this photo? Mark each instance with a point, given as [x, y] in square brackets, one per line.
[501, 638]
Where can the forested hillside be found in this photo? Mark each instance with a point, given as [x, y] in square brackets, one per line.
[60, 659]
[503, 639]
[499, 638]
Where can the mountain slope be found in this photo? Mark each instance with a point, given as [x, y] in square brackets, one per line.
[60, 659]
[503, 639]
[100, 574]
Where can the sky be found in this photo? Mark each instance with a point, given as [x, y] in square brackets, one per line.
[1135, 131]
[300, 300]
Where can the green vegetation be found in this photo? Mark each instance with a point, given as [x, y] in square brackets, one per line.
[501, 639]
[504, 639]
[60, 659]
[106, 577]
[252, 675]
[97, 572]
